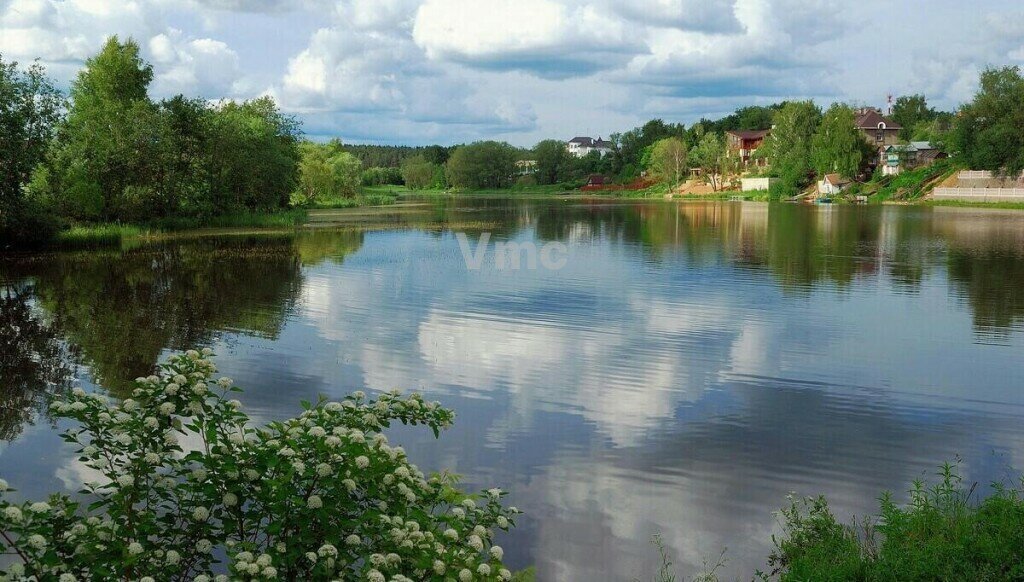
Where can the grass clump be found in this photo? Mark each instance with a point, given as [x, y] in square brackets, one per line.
[279, 219]
[939, 535]
[98, 236]
[367, 198]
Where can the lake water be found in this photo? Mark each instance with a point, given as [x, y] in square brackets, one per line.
[690, 365]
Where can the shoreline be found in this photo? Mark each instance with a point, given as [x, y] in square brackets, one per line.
[107, 235]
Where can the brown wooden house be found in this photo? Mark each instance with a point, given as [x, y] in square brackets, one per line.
[879, 130]
[744, 142]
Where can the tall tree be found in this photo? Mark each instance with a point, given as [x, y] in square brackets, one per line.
[483, 164]
[987, 134]
[30, 108]
[554, 163]
[112, 151]
[254, 155]
[909, 111]
[667, 160]
[788, 147]
[838, 146]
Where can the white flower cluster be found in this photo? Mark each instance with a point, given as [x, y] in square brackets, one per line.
[320, 496]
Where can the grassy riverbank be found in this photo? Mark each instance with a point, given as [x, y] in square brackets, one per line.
[967, 204]
[113, 234]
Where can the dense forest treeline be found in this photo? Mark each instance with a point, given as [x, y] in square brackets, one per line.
[107, 152]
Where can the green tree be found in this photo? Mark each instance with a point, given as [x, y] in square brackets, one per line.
[710, 155]
[253, 156]
[187, 174]
[418, 173]
[112, 151]
[30, 108]
[838, 146]
[626, 160]
[326, 171]
[483, 164]
[988, 132]
[788, 147]
[909, 111]
[937, 130]
[667, 160]
[382, 176]
[554, 162]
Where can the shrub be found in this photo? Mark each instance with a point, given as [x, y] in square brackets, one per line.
[939, 535]
[190, 487]
[26, 223]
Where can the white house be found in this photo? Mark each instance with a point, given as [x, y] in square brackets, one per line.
[832, 184]
[581, 146]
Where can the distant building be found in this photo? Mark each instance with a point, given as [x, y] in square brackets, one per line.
[832, 184]
[744, 143]
[581, 146]
[524, 167]
[596, 180]
[899, 157]
[877, 129]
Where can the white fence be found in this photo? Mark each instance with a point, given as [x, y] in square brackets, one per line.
[980, 194]
[974, 175]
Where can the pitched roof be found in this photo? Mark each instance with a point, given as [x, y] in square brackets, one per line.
[836, 179]
[749, 133]
[923, 145]
[602, 143]
[870, 119]
[903, 147]
[582, 140]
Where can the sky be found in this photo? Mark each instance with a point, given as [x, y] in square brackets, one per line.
[452, 71]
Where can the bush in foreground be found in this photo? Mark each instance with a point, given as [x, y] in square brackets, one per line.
[939, 535]
[190, 488]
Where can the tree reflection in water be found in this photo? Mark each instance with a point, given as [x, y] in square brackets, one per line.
[34, 362]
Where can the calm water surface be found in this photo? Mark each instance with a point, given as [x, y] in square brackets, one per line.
[689, 366]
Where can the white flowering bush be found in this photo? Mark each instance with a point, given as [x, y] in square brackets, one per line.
[192, 491]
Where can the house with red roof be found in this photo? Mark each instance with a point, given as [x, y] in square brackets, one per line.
[744, 143]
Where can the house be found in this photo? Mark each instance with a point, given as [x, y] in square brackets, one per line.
[877, 129]
[525, 167]
[581, 146]
[832, 184]
[596, 180]
[899, 157]
[744, 143]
